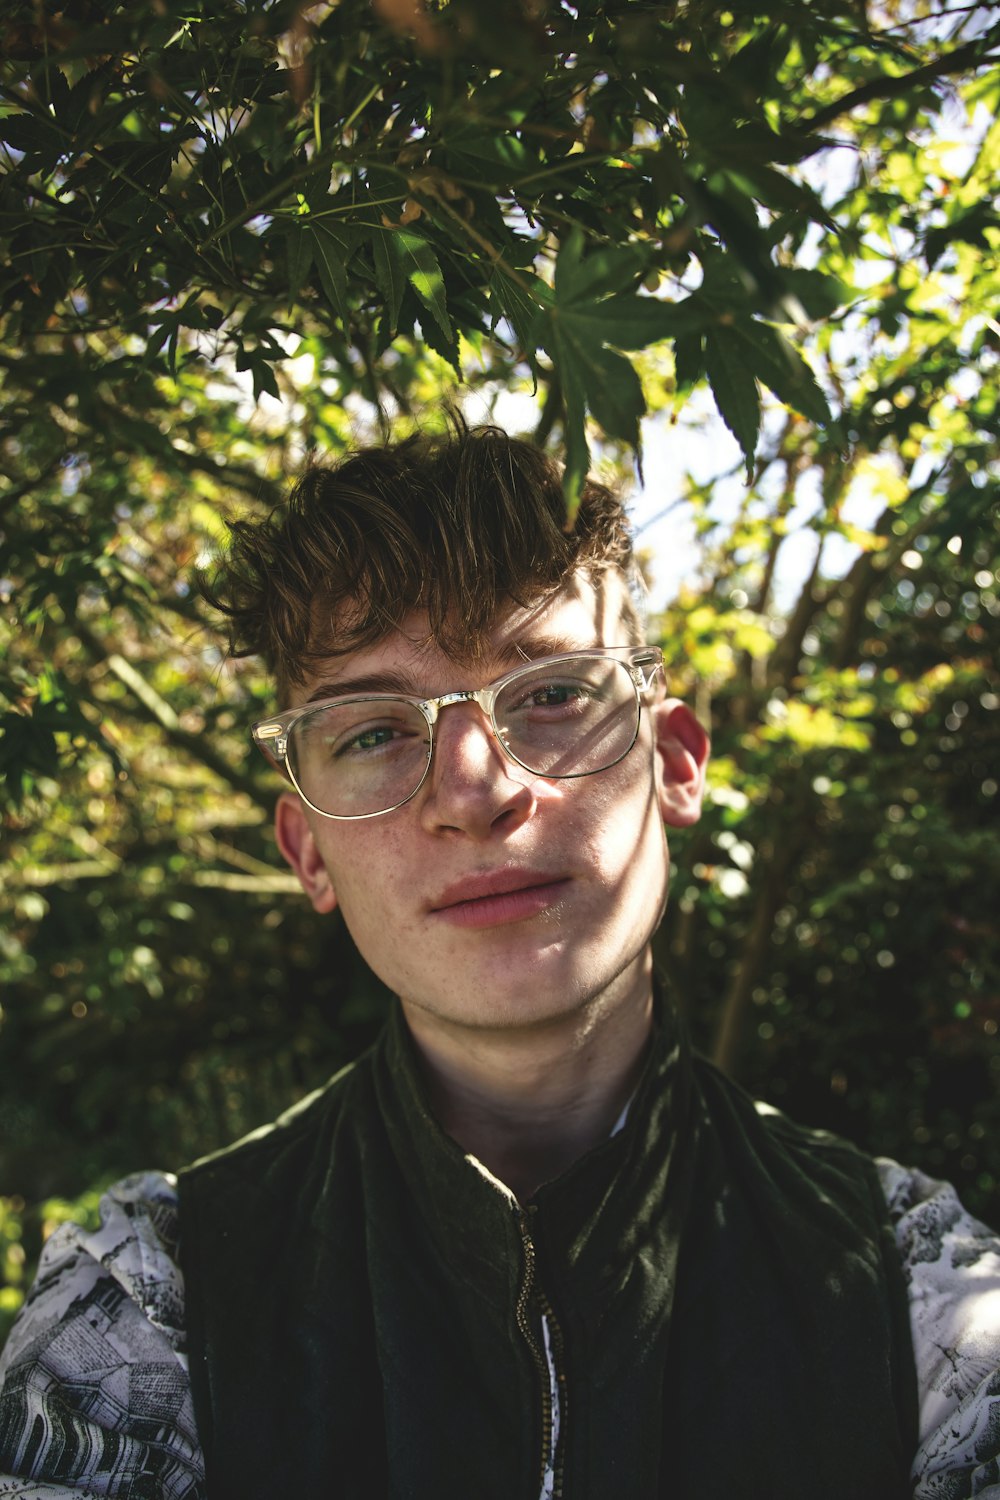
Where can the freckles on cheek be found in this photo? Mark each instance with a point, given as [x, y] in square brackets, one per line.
[366, 874]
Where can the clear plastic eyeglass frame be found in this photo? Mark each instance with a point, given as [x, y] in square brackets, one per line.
[271, 735]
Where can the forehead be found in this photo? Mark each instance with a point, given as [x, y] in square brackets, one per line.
[585, 611]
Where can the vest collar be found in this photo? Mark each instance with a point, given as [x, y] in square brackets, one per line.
[594, 1223]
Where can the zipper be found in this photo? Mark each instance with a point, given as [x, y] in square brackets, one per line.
[531, 1291]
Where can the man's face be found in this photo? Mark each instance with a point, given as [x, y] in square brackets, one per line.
[495, 897]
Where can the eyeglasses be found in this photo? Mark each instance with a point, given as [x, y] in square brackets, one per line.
[562, 716]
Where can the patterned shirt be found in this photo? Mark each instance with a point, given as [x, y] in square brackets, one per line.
[94, 1393]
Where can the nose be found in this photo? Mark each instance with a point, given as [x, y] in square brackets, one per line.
[473, 786]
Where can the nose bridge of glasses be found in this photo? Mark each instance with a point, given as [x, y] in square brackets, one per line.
[466, 695]
[482, 697]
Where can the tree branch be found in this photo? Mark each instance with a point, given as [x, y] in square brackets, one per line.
[971, 55]
[151, 707]
[783, 662]
[729, 1033]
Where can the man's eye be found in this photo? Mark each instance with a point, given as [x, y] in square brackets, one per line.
[558, 694]
[371, 739]
[555, 697]
[367, 739]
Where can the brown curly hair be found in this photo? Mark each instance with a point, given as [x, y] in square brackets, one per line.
[460, 525]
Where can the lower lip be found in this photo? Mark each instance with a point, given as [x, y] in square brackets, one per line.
[496, 911]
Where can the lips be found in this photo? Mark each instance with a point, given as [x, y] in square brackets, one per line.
[492, 883]
[499, 896]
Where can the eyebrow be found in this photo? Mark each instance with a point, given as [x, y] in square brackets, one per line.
[517, 653]
[370, 682]
[532, 647]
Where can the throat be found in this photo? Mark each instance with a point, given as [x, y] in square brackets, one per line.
[529, 1106]
[525, 1155]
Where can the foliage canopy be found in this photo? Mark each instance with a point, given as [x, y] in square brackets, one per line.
[237, 235]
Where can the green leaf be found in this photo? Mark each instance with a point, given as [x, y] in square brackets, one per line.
[501, 153]
[775, 190]
[818, 292]
[734, 388]
[260, 371]
[972, 228]
[579, 278]
[614, 394]
[782, 369]
[37, 140]
[390, 273]
[576, 328]
[519, 298]
[635, 322]
[332, 249]
[264, 379]
[689, 359]
[424, 273]
[575, 439]
[299, 251]
[435, 338]
[160, 333]
[566, 358]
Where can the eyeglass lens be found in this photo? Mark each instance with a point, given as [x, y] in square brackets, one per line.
[368, 755]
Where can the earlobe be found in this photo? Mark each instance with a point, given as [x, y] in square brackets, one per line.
[296, 842]
[682, 748]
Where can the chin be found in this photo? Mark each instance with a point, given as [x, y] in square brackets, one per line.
[542, 994]
[500, 1012]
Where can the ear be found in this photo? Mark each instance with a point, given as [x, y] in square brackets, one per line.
[296, 842]
[681, 756]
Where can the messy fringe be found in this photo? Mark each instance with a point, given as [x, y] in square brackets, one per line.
[460, 525]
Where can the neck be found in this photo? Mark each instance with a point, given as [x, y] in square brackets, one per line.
[530, 1101]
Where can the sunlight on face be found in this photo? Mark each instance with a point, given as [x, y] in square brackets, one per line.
[495, 897]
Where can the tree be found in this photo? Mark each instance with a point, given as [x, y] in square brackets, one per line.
[240, 235]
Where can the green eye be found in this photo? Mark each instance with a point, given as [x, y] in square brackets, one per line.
[371, 739]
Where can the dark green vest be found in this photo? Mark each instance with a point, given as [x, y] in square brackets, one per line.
[727, 1307]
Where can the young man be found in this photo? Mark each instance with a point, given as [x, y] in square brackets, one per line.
[528, 1245]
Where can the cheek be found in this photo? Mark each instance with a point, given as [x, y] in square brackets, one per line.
[367, 871]
[622, 823]
[640, 869]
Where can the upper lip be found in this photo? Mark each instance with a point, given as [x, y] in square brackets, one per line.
[492, 883]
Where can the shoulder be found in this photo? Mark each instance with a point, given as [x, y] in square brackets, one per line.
[301, 1130]
[105, 1303]
[827, 1177]
[808, 1139]
[766, 1123]
[132, 1254]
[951, 1262]
[950, 1267]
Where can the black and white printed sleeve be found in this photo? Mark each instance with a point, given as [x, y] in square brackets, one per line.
[94, 1392]
[952, 1266]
